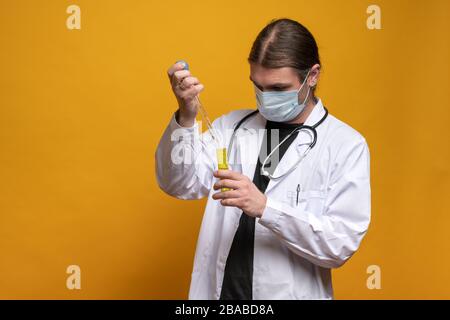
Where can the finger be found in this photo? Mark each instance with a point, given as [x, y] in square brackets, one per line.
[228, 174]
[189, 81]
[226, 195]
[178, 76]
[175, 67]
[190, 93]
[199, 88]
[230, 202]
[226, 183]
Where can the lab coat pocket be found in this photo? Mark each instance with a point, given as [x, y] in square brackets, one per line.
[309, 200]
[314, 201]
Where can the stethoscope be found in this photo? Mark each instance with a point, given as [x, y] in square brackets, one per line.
[310, 130]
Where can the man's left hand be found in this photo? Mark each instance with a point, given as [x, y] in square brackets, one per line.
[245, 195]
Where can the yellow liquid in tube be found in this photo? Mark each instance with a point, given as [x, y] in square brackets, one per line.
[222, 161]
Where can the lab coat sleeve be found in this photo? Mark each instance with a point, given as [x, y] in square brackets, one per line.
[329, 238]
[185, 161]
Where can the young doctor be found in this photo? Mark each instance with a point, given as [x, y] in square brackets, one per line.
[299, 203]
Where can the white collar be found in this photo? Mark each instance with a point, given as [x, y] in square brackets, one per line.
[316, 114]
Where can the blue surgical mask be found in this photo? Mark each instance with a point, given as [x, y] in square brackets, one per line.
[280, 106]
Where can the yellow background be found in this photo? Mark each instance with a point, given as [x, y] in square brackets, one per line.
[82, 111]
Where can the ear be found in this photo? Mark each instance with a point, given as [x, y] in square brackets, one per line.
[314, 75]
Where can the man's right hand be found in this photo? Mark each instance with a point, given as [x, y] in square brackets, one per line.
[186, 88]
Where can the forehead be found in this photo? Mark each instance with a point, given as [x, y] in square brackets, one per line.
[266, 76]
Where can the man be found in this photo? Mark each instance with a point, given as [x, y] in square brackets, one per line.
[298, 204]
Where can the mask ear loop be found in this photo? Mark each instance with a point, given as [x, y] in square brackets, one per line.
[309, 88]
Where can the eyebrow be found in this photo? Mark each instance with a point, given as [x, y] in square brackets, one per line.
[272, 86]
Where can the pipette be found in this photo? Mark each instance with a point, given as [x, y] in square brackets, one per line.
[221, 151]
[202, 110]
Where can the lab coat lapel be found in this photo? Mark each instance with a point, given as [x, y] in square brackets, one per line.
[297, 147]
[249, 144]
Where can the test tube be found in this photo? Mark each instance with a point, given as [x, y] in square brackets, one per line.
[222, 161]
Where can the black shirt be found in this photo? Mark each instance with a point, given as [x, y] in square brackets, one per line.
[238, 274]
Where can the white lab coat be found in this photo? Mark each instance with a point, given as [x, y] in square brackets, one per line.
[296, 243]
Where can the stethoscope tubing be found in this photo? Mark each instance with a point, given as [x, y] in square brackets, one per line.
[299, 128]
